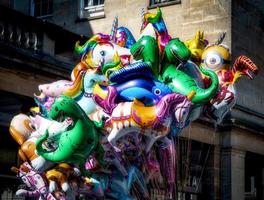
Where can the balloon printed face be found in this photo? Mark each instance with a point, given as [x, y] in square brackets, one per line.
[103, 54]
[145, 90]
[216, 58]
[214, 61]
[91, 79]
[111, 125]
[21, 128]
[85, 100]
[151, 121]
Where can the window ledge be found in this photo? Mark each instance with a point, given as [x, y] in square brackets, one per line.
[164, 4]
[84, 19]
[45, 16]
[98, 7]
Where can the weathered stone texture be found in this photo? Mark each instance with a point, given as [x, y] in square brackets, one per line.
[21, 82]
[182, 20]
[247, 39]
[232, 181]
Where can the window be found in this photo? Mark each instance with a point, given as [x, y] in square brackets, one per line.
[160, 3]
[91, 9]
[41, 8]
[90, 3]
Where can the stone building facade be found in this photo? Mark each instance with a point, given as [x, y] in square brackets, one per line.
[223, 162]
[32, 52]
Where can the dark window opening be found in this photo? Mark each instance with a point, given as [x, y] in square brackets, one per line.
[42, 7]
[161, 3]
[89, 3]
[91, 9]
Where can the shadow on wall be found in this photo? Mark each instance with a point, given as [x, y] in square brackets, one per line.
[248, 39]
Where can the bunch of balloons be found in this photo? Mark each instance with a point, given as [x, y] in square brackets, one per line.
[107, 132]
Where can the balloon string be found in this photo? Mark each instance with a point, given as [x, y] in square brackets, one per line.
[206, 158]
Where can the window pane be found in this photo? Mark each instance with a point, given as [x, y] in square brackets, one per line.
[88, 3]
[155, 2]
[43, 7]
[37, 8]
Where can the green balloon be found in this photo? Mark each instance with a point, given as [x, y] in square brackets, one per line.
[146, 48]
[76, 144]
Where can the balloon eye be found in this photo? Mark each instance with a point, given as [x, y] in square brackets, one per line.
[102, 53]
[157, 91]
[82, 73]
[32, 126]
[212, 61]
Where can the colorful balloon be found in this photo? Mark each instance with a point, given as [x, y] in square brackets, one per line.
[75, 144]
[217, 58]
[33, 180]
[107, 132]
[22, 131]
[146, 90]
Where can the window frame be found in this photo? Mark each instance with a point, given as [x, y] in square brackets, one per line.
[163, 4]
[91, 12]
[33, 8]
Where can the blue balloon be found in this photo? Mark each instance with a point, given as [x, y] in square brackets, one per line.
[147, 91]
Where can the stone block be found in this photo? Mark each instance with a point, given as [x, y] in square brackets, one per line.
[214, 11]
[193, 16]
[48, 46]
[201, 3]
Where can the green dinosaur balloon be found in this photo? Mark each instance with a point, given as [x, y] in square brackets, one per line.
[146, 48]
[180, 82]
[76, 144]
[175, 53]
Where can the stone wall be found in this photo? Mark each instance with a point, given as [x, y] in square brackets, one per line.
[21, 82]
[248, 39]
[183, 20]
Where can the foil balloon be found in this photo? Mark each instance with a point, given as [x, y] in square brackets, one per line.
[146, 48]
[101, 53]
[82, 134]
[52, 90]
[216, 57]
[167, 159]
[124, 37]
[146, 90]
[119, 186]
[61, 177]
[155, 22]
[85, 100]
[181, 82]
[153, 121]
[108, 131]
[34, 181]
[197, 45]
[193, 71]
[21, 129]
